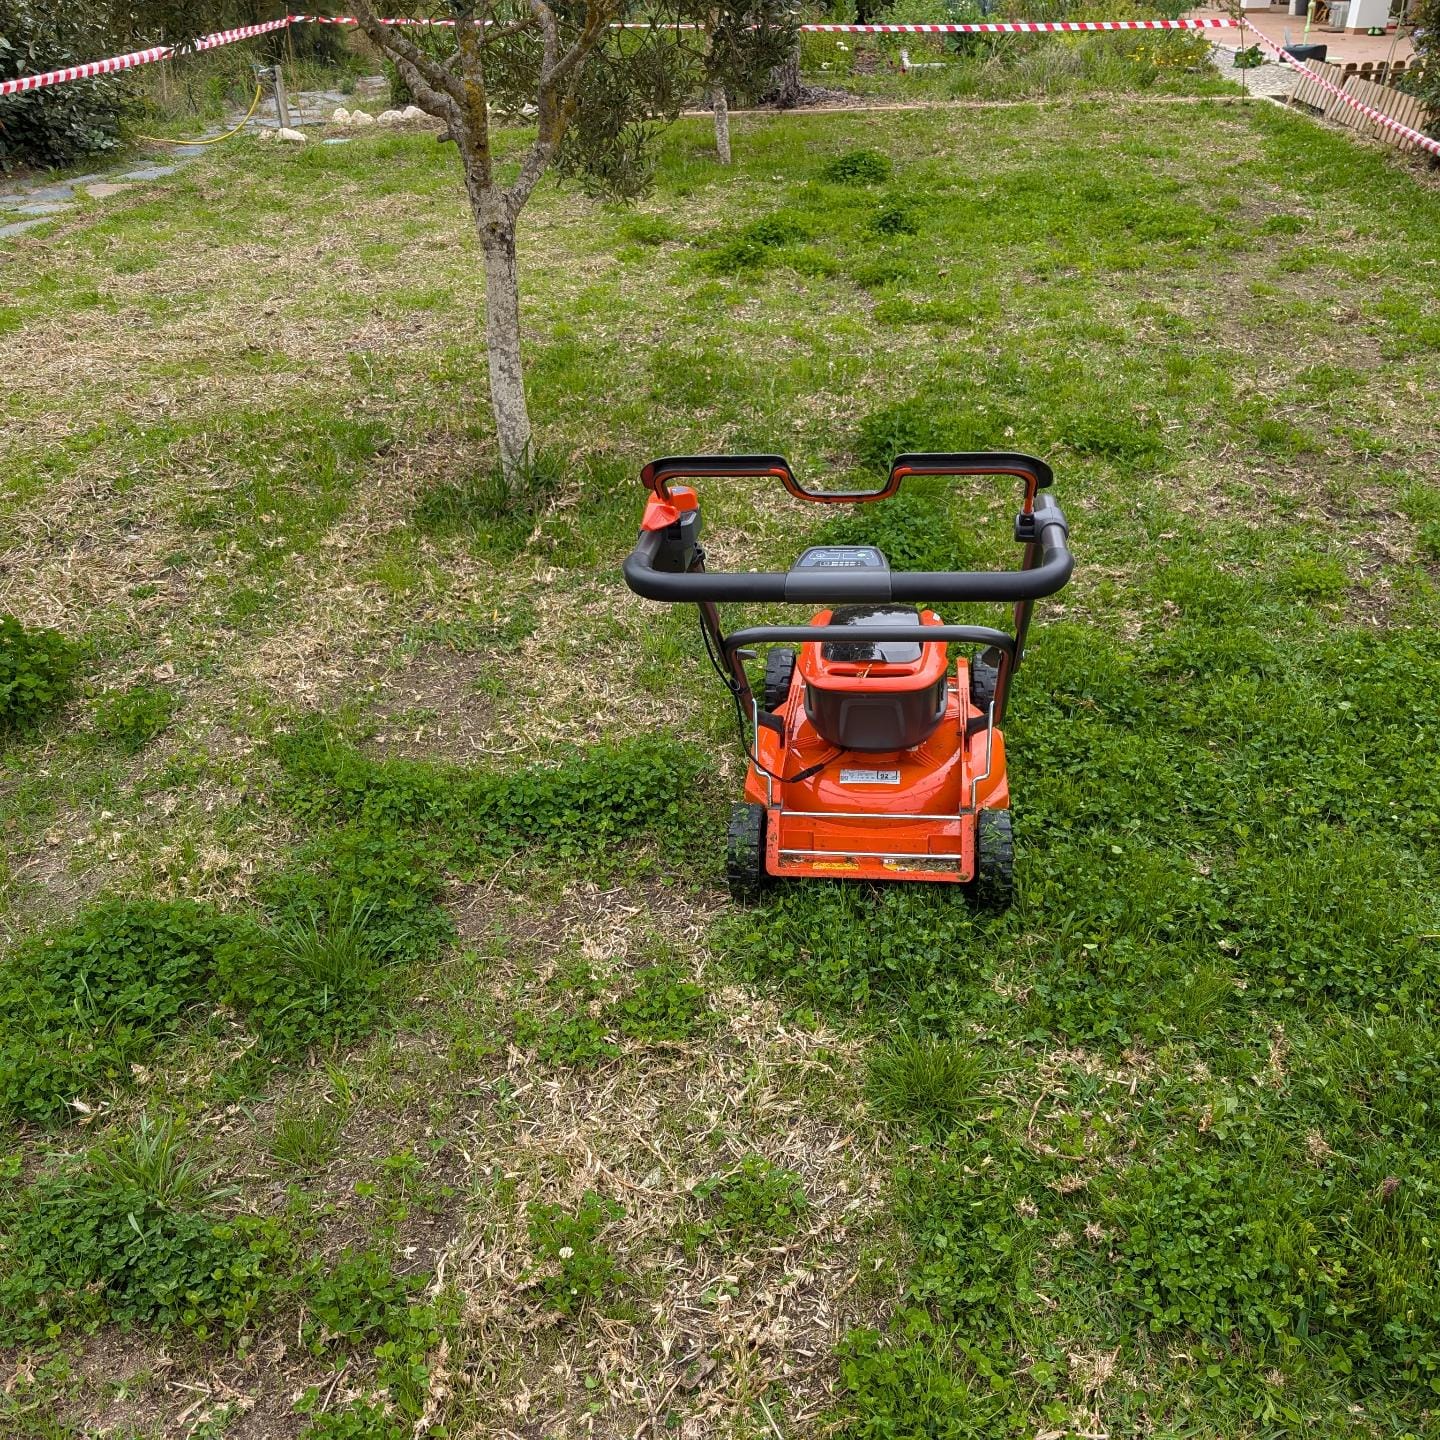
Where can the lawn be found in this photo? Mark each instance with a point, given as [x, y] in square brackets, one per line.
[380, 1052]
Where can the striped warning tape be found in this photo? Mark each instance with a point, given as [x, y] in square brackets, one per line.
[1425, 142]
[1025, 27]
[23, 83]
[116, 63]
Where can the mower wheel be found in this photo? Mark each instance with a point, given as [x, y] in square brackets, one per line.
[984, 680]
[993, 887]
[745, 853]
[779, 668]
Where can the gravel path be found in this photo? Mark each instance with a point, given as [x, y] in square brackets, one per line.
[1271, 78]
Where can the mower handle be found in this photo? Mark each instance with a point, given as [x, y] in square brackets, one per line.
[833, 587]
[852, 634]
[1036, 474]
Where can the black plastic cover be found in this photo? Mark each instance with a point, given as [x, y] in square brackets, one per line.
[860, 651]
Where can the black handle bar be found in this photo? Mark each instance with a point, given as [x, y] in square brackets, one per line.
[841, 587]
[860, 634]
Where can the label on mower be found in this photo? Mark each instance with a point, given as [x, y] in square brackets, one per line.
[869, 777]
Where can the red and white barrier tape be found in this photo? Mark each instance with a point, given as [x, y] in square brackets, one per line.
[115, 64]
[1024, 27]
[1425, 142]
[999, 27]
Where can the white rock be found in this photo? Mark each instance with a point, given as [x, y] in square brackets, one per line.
[360, 119]
[265, 133]
[341, 116]
[293, 136]
[390, 117]
[413, 112]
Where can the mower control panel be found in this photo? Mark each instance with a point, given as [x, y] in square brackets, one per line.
[841, 557]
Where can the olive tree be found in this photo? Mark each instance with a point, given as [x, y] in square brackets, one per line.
[743, 44]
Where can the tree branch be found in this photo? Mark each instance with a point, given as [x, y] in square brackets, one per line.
[429, 81]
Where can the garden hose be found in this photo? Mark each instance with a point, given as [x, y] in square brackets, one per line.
[214, 139]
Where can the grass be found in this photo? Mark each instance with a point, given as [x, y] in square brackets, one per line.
[374, 829]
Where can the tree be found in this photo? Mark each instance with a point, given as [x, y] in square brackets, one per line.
[595, 93]
[591, 93]
[1424, 79]
[743, 45]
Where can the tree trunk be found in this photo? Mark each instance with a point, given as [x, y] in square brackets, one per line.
[502, 345]
[722, 124]
[786, 91]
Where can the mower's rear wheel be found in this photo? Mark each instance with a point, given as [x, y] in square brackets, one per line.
[745, 853]
[984, 680]
[779, 668]
[993, 887]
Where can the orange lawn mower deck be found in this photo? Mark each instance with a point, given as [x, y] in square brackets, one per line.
[870, 757]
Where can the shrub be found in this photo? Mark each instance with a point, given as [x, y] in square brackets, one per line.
[1424, 79]
[36, 668]
[574, 1270]
[439, 44]
[63, 122]
[85, 1003]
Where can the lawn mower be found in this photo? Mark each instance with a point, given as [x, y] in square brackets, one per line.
[869, 759]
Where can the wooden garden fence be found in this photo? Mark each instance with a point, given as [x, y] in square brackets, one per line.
[1407, 109]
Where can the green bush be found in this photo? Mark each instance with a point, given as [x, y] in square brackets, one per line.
[61, 123]
[1424, 79]
[437, 43]
[36, 669]
[82, 1004]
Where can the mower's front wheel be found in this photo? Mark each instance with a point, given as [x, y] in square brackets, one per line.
[745, 853]
[993, 887]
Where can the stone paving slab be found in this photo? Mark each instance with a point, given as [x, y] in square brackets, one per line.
[19, 227]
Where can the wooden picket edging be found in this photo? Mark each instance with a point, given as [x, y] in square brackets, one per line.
[1308, 93]
[1407, 109]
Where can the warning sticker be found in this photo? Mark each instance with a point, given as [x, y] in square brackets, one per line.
[869, 777]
